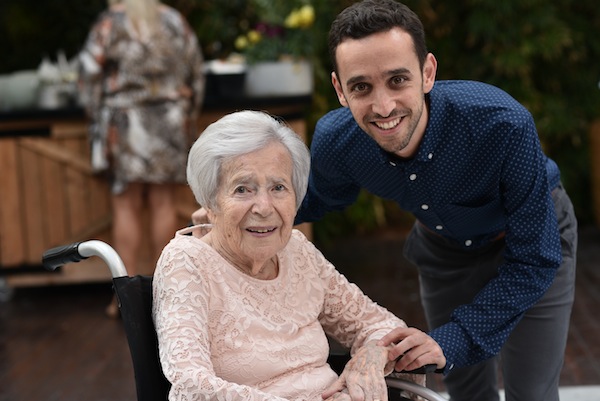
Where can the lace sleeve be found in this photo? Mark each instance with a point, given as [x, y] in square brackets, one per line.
[352, 318]
[348, 315]
[180, 313]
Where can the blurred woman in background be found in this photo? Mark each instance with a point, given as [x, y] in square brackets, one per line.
[142, 86]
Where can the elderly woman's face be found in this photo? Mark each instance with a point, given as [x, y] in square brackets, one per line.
[256, 205]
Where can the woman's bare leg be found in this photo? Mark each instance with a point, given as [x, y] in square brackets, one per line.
[163, 215]
[127, 225]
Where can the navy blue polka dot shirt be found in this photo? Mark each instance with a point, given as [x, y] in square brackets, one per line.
[479, 173]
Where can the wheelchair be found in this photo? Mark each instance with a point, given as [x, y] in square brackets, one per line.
[134, 296]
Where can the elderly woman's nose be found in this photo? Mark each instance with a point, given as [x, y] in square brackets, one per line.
[263, 204]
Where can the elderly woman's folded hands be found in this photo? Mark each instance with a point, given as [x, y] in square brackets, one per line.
[363, 377]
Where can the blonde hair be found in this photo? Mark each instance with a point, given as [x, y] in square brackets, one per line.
[142, 13]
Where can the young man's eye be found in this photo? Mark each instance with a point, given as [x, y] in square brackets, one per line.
[360, 88]
[397, 81]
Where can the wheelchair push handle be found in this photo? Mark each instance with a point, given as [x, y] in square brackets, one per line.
[425, 369]
[53, 258]
[78, 251]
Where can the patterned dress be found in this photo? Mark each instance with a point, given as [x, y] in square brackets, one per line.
[142, 94]
[226, 336]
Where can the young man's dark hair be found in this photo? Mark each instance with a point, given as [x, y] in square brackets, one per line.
[371, 16]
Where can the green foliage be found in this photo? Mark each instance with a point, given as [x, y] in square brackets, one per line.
[217, 23]
[544, 54]
[32, 29]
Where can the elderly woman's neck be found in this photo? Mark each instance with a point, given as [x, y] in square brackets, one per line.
[266, 268]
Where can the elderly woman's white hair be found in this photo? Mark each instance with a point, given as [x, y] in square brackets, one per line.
[234, 135]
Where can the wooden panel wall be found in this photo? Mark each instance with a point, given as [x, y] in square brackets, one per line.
[50, 197]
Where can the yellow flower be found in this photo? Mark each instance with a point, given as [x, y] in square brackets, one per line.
[241, 42]
[300, 18]
[292, 20]
[306, 16]
[254, 36]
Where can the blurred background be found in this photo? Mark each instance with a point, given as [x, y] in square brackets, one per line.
[545, 54]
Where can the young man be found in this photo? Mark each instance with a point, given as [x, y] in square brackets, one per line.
[495, 234]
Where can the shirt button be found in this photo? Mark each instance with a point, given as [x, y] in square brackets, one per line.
[413, 177]
[468, 242]
[430, 156]
[424, 207]
[439, 227]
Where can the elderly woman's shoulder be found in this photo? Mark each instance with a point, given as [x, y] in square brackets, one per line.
[299, 240]
[298, 235]
[188, 253]
[185, 245]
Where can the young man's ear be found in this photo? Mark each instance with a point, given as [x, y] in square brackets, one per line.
[338, 89]
[429, 71]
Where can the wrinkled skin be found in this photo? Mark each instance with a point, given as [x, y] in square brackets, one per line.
[363, 378]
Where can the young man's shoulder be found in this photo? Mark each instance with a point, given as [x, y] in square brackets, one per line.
[336, 118]
[472, 92]
[338, 122]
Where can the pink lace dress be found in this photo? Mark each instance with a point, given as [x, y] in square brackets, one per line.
[224, 335]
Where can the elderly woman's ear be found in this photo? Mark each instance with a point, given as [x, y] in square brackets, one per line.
[200, 216]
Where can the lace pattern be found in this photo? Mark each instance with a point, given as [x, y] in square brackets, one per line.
[224, 335]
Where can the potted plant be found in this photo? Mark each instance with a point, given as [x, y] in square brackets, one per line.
[278, 48]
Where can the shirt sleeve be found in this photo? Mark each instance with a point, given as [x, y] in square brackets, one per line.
[180, 312]
[478, 331]
[329, 189]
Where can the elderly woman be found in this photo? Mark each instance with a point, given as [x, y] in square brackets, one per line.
[243, 311]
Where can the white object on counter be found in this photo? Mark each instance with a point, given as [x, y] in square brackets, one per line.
[19, 90]
[280, 78]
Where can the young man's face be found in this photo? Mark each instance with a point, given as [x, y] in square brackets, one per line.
[379, 79]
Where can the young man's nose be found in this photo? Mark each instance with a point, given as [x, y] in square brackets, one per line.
[383, 103]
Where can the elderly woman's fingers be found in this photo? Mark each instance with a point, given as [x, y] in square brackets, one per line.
[340, 396]
[370, 389]
[336, 387]
[364, 374]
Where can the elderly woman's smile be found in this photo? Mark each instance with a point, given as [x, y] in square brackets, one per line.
[256, 206]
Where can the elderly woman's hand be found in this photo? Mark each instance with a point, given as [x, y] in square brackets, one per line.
[363, 378]
[414, 349]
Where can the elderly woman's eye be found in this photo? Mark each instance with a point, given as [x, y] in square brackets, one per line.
[279, 187]
[240, 190]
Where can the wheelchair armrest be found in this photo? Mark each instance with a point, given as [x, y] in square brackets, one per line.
[413, 388]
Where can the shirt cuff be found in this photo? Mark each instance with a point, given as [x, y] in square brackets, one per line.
[455, 344]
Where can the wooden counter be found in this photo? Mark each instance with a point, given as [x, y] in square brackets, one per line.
[50, 196]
